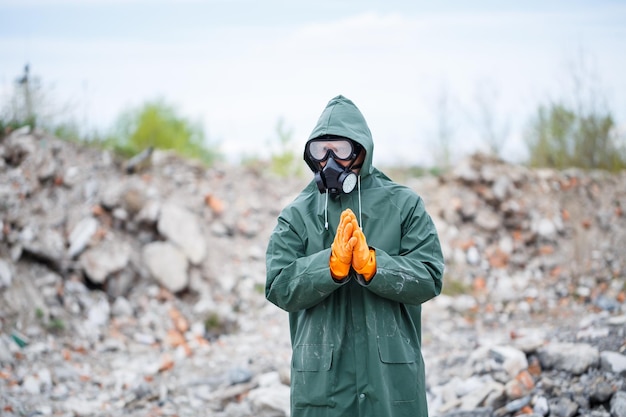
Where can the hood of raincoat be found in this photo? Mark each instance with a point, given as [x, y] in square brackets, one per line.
[342, 117]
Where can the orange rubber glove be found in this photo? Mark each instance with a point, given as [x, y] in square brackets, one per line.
[363, 258]
[342, 247]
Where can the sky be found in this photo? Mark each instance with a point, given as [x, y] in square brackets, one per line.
[423, 73]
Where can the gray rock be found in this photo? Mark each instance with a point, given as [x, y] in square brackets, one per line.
[122, 308]
[545, 228]
[473, 256]
[31, 385]
[6, 354]
[513, 406]
[167, 265]
[464, 303]
[563, 407]
[502, 187]
[149, 212]
[540, 405]
[477, 412]
[575, 358]
[600, 390]
[182, 228]
[465, 172]
[71, 177]
[618, 404]
[472, 400]
[617, 320]
[271, 401]
[513, 360]
[46, 166]
[613, 362]
[47, 245]
[488, 220]
[106, 258]
[6, 274]
[111, 193]
[81, 234]
[506, 287]
[99, 312]
[121, 282]
[239, 375]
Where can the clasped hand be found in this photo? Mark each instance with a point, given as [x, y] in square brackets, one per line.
[350, 249]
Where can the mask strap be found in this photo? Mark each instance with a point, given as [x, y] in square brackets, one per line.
[326, 212]
[359, 189]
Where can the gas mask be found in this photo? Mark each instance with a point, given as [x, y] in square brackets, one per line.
[335, 179]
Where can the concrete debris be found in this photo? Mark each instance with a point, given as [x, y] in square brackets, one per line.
[136, 288]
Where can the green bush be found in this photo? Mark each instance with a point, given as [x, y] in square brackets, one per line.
[158, 124]
[559, 137]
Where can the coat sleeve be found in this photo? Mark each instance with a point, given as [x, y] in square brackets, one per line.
[296, 281]
[415, 274]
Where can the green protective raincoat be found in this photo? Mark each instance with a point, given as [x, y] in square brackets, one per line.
[356, 345]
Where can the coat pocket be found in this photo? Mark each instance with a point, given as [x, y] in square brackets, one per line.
[311, 382]
[400, 368]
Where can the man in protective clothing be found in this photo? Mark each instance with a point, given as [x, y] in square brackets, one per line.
[352, 259]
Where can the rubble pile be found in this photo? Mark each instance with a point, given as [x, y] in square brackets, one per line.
[533, 321]
[135, 288]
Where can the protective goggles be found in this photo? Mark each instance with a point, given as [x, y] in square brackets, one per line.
[342, 149]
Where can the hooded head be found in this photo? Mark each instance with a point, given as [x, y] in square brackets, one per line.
[342, 118]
